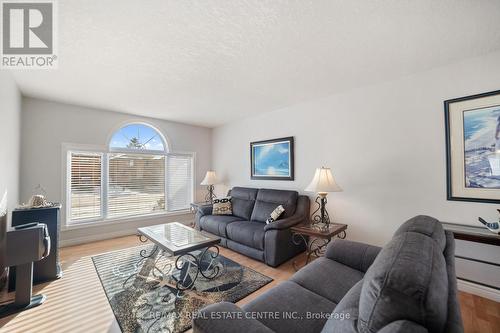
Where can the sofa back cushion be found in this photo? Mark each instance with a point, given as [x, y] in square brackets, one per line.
[268, 200]
[425, 225]
[407, 281]
[243, 201]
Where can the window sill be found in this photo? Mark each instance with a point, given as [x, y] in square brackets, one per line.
[118, 220]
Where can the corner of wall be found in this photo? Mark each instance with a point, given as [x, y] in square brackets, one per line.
[10, 132]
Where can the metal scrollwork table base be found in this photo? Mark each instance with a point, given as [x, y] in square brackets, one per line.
[316, 237]
[180, 256]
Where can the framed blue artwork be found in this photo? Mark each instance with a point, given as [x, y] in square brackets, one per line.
[473, 147]
[272, 159]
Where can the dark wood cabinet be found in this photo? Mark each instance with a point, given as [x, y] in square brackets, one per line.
[477, 254]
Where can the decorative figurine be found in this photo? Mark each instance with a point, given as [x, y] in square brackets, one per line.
[493, 227]
[38, 200]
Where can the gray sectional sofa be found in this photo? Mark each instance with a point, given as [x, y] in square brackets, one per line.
[246, 230]
[409, 286]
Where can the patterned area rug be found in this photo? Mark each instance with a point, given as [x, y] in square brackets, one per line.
[142, 293]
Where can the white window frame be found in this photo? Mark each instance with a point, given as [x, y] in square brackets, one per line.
[105, 151]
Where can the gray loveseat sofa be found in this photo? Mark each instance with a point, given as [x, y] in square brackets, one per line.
[246, 230]
[409, 286]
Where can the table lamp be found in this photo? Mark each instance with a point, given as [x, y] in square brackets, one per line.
[210, 180]
[322, 183]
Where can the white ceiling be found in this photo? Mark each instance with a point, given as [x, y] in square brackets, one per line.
[208, 62]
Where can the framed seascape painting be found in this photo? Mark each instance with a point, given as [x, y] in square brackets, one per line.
[272, 159]
[473, 147]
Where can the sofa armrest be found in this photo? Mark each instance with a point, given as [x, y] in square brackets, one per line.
[200, 212]
[205, 209]
[356, 255]
[301, 216]
[226, 317]
[284, 223]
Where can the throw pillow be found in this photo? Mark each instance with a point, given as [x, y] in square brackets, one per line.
[275, 214]
[222, 206]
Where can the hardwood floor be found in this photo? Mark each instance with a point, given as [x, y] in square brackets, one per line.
[77, 303]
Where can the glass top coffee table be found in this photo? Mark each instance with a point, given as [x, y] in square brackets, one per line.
[196, 252]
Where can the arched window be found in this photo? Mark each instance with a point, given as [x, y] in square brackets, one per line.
[137, 136]
[136, 176]
[136, 171]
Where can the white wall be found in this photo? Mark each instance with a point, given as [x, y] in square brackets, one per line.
[385, 144]
[47, 125]
[10, 115]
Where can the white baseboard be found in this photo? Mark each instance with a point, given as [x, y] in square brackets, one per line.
[479, 290]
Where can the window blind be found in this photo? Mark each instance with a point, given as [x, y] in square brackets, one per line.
[136, 184]
[179, 181]
[85, 185]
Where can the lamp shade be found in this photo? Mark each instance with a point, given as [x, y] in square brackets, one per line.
[210, 178]
[323, 182]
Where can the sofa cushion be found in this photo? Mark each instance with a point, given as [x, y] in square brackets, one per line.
[307, 311]
[210, 319]
[344, 318]
[267, 200]
[407, 280]
[216, 224]
[353, 254]
[243, 201]
[425, 225]
[249, 233]
[327, 278]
